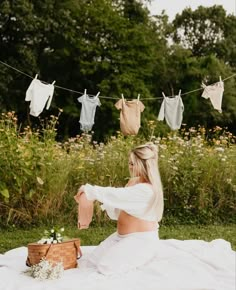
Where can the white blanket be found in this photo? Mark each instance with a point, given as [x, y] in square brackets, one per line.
[178, 265]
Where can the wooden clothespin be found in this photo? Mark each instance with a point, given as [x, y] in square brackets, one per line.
[138, 98]
[123, 97]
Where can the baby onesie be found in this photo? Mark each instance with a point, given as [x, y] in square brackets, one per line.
[39, 94]
[215, 94]
[88, 111]
[85, 211]
[130, 115]
[172, 110]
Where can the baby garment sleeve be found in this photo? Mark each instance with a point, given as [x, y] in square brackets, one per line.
[135, 200]
[29, 92]
[118, 104]
[98, 103]
[81, 99]
[161, 114]
[50, 93]
[141, 106]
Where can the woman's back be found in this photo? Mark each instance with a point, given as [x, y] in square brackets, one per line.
[128, 224]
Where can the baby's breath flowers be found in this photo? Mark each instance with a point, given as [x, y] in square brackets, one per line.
[52, 236]
[45, 270]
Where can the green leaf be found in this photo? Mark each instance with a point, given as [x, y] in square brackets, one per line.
[29, 195]
[5, 193]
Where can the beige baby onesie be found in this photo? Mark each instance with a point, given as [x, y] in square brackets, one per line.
[130, 115]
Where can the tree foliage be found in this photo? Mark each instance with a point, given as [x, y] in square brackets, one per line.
[115, 46]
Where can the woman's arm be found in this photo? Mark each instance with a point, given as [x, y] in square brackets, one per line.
[133, 198]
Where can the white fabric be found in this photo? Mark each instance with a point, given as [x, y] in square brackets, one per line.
[39, 94]
[171, 110]
[123, 253]
[88, 111]
[215, 94]
[178, 265]
[136, 200]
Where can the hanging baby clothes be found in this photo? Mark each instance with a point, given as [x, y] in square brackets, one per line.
[214, 93]
[39, 94]
[88, 110]
[172, 110]
[85, 211]
[130, 115]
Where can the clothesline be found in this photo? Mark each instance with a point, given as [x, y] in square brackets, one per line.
[103, 97]
[59, 87]
[40, 94]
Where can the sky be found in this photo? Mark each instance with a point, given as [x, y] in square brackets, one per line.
[172, 7]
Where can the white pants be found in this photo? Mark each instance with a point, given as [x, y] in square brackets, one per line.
[122, 253]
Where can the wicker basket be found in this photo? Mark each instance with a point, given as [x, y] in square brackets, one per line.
[66, 252]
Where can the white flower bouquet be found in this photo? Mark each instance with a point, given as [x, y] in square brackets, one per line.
[52, 236]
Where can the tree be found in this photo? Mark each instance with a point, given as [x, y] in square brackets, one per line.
[201, 30]
[208, 35]
[112, 46]
[100, 45]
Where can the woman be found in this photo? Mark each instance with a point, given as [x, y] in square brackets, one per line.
[138, 208]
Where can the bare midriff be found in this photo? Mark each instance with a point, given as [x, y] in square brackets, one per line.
[128, 224]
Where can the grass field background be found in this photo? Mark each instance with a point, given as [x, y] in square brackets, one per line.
[14, 237]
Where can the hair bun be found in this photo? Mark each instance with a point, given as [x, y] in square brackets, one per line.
[146, 151]
[148, 155]
[153, 148]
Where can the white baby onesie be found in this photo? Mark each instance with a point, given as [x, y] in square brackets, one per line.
[88, 110]
[172, 110]
[39, 94]
[215, 94]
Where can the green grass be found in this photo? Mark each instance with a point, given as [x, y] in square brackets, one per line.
[15, 237]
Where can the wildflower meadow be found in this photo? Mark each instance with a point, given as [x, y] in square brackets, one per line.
[39, 175]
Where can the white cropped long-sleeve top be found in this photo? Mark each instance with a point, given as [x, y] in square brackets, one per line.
[136, 200]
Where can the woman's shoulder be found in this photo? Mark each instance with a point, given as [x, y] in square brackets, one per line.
[132, 181]
[137, 181]
[143, 186]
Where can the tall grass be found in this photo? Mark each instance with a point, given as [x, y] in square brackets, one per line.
[198, 173]
[39, 176]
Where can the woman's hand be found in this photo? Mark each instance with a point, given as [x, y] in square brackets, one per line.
[80, 191]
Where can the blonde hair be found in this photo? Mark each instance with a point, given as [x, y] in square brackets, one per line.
[144, 159]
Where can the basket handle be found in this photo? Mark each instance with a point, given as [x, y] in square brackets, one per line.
[78, 250]
[47, 251]
[28, 263]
